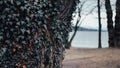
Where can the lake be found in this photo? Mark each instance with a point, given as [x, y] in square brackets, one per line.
[89, 39]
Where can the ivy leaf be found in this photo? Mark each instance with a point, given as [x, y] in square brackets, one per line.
[2, 51]
[23, 31]
[18, 2]
[1, 37]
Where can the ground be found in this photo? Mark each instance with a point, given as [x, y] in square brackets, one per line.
[92, 58]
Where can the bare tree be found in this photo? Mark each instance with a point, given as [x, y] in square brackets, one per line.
[79, 20]
[99, 20]
[117, 25]
[109, 23]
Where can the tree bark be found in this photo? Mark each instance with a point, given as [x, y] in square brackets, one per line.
[117, 24]
[31, 33]
[99, 20]
[109, 23]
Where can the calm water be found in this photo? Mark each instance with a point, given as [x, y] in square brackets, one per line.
[89, 39]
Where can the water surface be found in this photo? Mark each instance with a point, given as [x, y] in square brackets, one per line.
[89, 39]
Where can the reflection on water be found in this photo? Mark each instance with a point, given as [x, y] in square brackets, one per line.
[89, 39]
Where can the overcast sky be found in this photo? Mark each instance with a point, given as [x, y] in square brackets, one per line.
[91, 20]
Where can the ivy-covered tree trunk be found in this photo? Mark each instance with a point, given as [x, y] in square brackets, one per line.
[33, 33]
[68, 7]
[109, 23]
[117, 24]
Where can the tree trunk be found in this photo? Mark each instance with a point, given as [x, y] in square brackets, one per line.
[109, 23]
[31, 33]
[99, 20]
[66, 15]
[73, 35]
[117, 24]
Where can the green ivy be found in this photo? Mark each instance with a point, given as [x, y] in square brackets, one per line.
[32, 33]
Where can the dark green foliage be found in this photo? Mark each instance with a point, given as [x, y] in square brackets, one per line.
[32, 33]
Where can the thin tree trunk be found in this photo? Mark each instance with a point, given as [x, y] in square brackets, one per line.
[109, 23]
[74, 33]
[99, 20]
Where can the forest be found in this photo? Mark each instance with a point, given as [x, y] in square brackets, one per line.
[35, 33]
